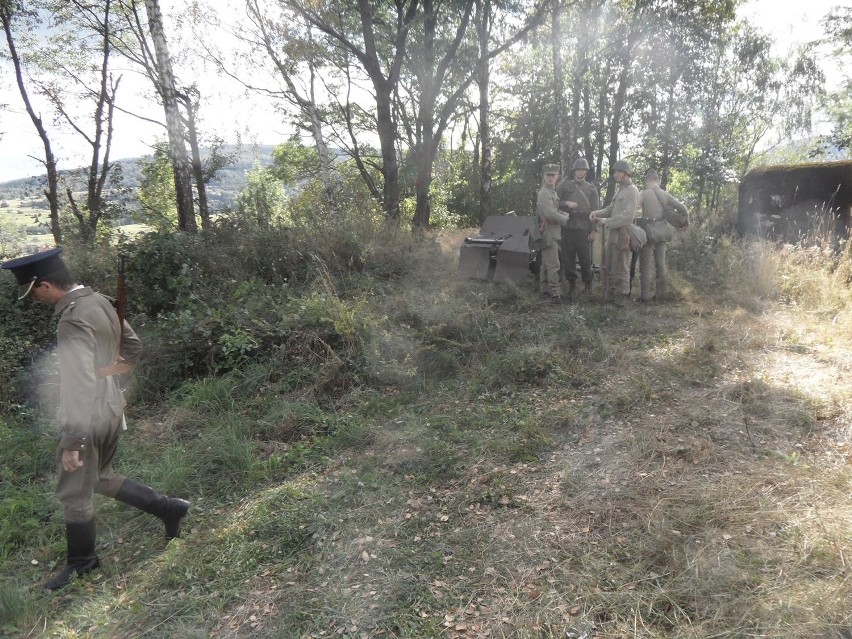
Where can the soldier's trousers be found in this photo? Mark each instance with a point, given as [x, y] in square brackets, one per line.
[576, 246]
[548, 275]
[617, 267]
[76, 490]
[653, 255]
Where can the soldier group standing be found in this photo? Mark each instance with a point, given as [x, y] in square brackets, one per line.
[569, 214]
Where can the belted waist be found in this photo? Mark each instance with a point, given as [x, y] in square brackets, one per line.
[116, 368]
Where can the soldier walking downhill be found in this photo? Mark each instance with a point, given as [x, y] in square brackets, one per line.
[616, 218]
[581, 198]
[659, 209]
[91, 342]
[550, 220]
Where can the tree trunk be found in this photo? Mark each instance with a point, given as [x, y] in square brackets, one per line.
[52, 192]
[386, 129]
[559, 85]
[431, 121]
[483, 26]
[319, 141]
[383, 87]
[581, 63]
[617, 110]
[588, 149]
[197, 166]
[174, 125]
[426, 118]
[100, 167]
[666, 159]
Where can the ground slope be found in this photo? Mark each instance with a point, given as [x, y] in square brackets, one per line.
[671, 470]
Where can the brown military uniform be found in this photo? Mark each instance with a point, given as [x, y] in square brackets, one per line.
[618, 216]
[551, 220]
[653, 254]
[90, 342]
[91, 406]
[575, 236]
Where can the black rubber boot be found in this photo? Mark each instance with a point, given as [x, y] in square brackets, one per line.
[148, 500]
[572, 286]
[81, 554]
[587, 287]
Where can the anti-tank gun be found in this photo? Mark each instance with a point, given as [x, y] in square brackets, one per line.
[502, 251]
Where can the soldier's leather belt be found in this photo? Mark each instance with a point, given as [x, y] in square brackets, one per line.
[116, 368]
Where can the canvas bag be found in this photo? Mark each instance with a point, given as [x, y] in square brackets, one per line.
[660, 230]
[663, 230]
[638, 237]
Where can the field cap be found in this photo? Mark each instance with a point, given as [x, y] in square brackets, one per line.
[551, 169]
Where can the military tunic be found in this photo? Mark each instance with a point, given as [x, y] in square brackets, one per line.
[654, 251]
[91, 405]
[551, 220]
[575, 236]
[618, 216]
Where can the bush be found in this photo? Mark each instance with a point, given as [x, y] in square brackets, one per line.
[214, 301]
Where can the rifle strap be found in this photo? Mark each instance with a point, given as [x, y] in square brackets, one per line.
[658, 193]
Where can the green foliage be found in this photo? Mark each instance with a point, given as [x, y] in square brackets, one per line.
[262, 201]
[25, 332]
[25, 504]
[838, 28]
[11, 238]
[156, 194]
[293, 163]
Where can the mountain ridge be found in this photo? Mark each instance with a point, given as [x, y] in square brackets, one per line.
[222, 190]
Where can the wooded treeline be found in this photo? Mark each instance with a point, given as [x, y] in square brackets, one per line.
[429, 111]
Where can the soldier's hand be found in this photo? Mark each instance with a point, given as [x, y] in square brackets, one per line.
[571, 205]
[71, 460]
[593, 236]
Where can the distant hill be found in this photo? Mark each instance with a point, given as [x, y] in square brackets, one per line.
[222, 191]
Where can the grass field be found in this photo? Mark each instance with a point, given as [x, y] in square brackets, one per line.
[504, 468]
[17, 219]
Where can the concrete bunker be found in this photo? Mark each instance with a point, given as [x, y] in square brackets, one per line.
[791, 202]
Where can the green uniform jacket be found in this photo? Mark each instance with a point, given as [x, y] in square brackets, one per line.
[549, 216]
[651, 207]
[87, 339]
[585, 194]
[622, 211]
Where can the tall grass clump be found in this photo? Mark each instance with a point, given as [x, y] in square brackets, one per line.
[752, 272]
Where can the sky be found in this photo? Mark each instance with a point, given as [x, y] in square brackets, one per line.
[228, 112]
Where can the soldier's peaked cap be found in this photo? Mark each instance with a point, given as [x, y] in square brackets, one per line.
[550, 169]
[28, 269]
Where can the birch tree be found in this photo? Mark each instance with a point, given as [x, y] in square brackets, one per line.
[174, 123]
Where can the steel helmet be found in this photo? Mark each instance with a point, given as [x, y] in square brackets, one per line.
[622, 165]
[581, 164]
